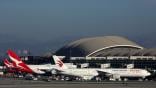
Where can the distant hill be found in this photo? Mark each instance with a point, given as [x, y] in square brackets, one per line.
[36, 47]
[147, 42]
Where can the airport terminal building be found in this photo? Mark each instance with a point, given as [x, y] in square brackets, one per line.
[108, 51]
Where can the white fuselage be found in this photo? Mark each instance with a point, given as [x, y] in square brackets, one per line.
[46, 67]
[86, 74]
[127, 72]
[39, 68]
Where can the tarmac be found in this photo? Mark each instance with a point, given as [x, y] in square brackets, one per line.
[16, 83]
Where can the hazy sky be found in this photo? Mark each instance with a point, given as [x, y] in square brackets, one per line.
[56, 21]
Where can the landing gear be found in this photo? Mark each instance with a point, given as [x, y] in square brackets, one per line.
[115, 77]
[98, 79]
[53, 71]
[125, 79]
[140, 79]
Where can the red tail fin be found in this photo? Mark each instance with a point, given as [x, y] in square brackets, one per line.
[8, 64]
[19, 63]
[13, 55]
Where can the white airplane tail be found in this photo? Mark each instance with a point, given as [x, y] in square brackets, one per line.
[59, 63]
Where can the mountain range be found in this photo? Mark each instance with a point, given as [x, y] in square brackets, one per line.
[36, 47]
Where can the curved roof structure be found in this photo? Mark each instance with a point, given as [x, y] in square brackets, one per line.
[90, 46]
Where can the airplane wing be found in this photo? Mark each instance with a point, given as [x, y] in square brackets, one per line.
[103, 73]
[107, 73]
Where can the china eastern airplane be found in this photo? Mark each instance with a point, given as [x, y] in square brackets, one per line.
[32, 69]
[114, 73]
[118, 73]
[86, 74]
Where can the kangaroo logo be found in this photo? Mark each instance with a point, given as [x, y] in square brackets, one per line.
[18, 62]
[7, 63]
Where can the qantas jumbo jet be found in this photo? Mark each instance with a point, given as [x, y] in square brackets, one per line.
[37, 69]
[33, 69]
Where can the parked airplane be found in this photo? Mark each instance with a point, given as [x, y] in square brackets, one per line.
[124, 73]
[112, 73]
[32, 69]
[86, 74]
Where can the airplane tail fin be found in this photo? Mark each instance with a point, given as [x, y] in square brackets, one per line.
[59, 63]
[18, 62]
[8, 64]
[13, 56]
